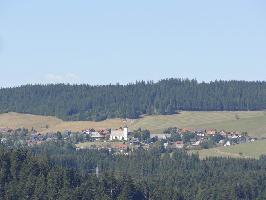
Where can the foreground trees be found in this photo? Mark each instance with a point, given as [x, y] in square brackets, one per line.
[157, 174]
[23, 176]
[50, 173]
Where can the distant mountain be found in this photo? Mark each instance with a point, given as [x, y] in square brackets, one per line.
[85, 102]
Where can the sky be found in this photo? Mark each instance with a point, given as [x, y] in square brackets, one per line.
[103, 41]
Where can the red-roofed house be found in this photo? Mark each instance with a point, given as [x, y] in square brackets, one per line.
[212, 132]
[179, 144]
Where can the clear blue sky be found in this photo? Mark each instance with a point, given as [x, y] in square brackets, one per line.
[109, 41]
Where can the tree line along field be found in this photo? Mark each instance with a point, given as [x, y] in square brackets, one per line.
[254, 122]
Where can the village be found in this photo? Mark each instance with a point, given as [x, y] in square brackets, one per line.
[172, 138]
[124, 141]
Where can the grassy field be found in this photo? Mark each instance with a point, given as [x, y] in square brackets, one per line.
[51, 124]
[254, 122]
[16, 120]
[85, 145]
[247, 150]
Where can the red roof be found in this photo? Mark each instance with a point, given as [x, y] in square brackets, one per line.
[187, 129]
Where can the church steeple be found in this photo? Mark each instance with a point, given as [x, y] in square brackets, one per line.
[125, 133]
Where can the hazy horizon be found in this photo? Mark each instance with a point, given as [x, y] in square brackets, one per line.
[126, 83]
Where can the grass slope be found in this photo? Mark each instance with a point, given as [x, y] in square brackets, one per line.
[40, 123]
[247, 150]
[85, 145]
[17, 120]
[254, 122]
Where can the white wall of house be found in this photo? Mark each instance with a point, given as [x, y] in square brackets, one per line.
[125, 133]
[119, 134]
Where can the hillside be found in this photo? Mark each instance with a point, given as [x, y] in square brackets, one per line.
[254, 122]
[247, 150]
[96, 103]
[52, 124]
[17, 120]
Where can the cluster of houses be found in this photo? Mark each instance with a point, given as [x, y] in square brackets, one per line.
[122, 140]
[38, 139]
[201, 136]
[198, 138]
[22, 137]
[228, 137]
[5, 130]
[120, 134]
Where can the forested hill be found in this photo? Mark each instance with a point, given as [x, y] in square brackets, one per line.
[85, 102]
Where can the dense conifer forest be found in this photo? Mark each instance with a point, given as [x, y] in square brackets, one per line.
[23, 176]
[57, 171]
[85, 102]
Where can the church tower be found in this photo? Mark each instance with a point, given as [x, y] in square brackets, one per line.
[125, 133]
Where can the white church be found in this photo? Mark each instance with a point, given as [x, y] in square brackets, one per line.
[119, 134]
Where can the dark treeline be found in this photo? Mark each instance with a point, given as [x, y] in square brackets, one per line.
[176, 175]
[23, 176]
[85, 102]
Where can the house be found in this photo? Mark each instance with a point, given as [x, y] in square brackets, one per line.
[187, 130]
[3, 140]
[179, 144]
[197, 143]
[119, 134]
[201, 134]
[211, 132]
[165, 144]
[200, 130]
[234, 136]
[223, 133]
[88, 131]
[228, 143]
[160, 136]
[104, 132]
[96, 135]
[221, 142]
[134, 141]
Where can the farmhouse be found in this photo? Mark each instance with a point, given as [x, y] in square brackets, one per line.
[179, 144]
[160, 136]
[88, 131]
[187, 130]
[119, 134]
[96, 135]
[200, 132]
[228, 143]
[212, 132]
[223, 133]
[197, 143]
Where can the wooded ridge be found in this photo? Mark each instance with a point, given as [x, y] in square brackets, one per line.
[86, 102]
